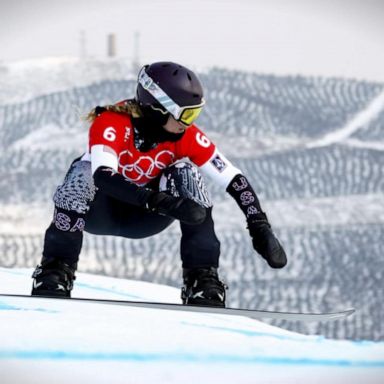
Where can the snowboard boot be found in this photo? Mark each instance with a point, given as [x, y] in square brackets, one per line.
[203, 287]
[53, 278]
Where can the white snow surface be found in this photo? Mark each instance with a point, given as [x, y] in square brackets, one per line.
[24, 80]
[45, 341]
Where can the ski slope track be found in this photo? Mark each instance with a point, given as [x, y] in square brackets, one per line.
[362, 118]
[61, 341]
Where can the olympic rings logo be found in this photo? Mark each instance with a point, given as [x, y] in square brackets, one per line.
[144, 166]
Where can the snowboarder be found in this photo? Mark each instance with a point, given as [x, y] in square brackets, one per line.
[132, 182]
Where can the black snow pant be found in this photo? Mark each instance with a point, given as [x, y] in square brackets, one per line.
[79, 207]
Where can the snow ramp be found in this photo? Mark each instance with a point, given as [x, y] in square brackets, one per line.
[55, 341]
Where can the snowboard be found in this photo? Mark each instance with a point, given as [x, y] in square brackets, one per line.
[251, 313]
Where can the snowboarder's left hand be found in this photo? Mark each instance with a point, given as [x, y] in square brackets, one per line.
[265, 242]
[180, 208]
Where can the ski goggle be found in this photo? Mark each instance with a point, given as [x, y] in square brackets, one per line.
[187, 114]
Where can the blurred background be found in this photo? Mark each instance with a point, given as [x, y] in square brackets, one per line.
[295, 98]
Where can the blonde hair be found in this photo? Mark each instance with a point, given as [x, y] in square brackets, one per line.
[129, 107]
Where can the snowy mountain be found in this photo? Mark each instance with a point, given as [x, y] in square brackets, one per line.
[312, 147]
[45, 341]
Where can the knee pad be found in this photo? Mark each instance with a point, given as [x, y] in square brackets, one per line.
[182, 179]
[78, 189]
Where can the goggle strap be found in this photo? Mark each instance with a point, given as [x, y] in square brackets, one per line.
[150, 86]
[170, 105]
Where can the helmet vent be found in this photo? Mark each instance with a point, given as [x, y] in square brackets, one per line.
[175, 72]
[189, 77]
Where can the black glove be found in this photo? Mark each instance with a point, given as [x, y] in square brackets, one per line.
[265, 242]
[183, 209]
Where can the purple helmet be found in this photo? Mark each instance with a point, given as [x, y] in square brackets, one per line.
[172, 89]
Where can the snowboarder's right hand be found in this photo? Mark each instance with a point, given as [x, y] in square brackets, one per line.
[183, 209]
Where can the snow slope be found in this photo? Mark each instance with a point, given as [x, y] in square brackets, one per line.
[27, 79]
[45, 341]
